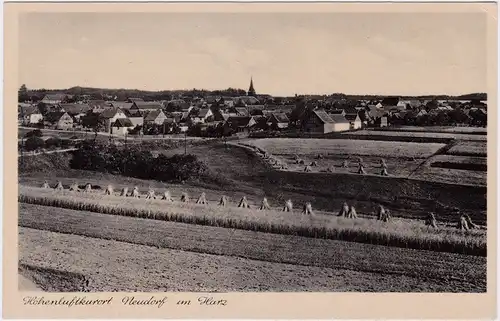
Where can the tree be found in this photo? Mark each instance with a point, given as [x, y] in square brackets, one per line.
[42, 108]
[34, 133]
[22, 94]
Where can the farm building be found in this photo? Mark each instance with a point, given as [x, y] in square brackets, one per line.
[241, 124]
[76, 110]
[154, 117]
[201, 115]
[338, 112]
[109, 116]
[123, 105]
[145, 105]
[320, 122]
[132, 99]
[134, 116]
[54, 99]
[354, 121]
[278, 120]
[121, 126]
[29, 115]
[58, 120]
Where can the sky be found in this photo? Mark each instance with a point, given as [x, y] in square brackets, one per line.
[285, 53]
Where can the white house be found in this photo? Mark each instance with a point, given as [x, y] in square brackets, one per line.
[110, 115]
[354, 120]
[320, 122]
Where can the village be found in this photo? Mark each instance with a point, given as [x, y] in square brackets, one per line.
[216, 116]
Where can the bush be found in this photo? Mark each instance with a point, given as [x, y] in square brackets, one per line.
[34, 133]
[136, 162]
[34, 143]
[53, 142]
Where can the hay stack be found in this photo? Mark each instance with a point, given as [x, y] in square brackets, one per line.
[264, 205]
[88, 188]
[223, 201]
[243, 203]
[314, 164]
[330, 169]
[384, 172]
[166, 196]
[462, 223]
[45, 185]
[135, 192]
[202, 199]
[109, 190]
[151, 194]
[361, 169]
[383, 214]
[124, 192]
[344, 211]
[352, 213]
[74, 187]
[59, 186]
[345, 164]
[307, 210]
[430, 220]
[383, 163]
[360, 160]
[185, 198]
[469, 221]
[320, 156]
[288, 206]
[307, 168]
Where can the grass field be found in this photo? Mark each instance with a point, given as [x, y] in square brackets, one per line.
[469, 148]
[400, 232]
[313, 147]
[433, 270]
[417, 134]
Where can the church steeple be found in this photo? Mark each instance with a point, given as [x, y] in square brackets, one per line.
[251, 90]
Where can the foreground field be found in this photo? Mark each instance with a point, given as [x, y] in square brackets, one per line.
[119, 266]
[400, 233]
[469, 148]
[437, 129]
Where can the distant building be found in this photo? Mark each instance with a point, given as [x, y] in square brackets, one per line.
[156, 117]
[121, 126]
[251, 90]
[58, 120]
[29, 115]
[320, 122]
[354, 120]
[145, 105]
[109, 116]
[53, 99]
[278, 120]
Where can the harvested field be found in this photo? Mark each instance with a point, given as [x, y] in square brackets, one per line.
[110, 267]
[400, 233]
[436, 129]
[417, 134]
[312, 147]
[469, 148]
[459, 162]
[451, 176]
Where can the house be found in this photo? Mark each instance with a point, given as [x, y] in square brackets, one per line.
[320, 122]
[121, 126]
[58, 120]
[53, 99]
[135, 117]
[156, 117]
[354, 120]
[29, 115]
[145, 105]
[76, 110]
[246, 100]
[241, 124]
[278, 120]
[109, 116]
[201, 115]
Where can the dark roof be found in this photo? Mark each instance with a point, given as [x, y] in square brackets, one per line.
[280, 117]
[242, 111]
[28, 110]
[323, 116]
[339, 119]
[132, 113]
[147, 105]
[110, 112]
[123, 122]
[53, 117]
[203, 112]
[351, 117]
[350, 110]
[152, 115]
[134, 99]
[337, 111]
[55, 97]
[239, 121]
[74, 109]
[121, 104]
[390, 101]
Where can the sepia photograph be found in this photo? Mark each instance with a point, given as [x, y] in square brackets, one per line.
[220, 152]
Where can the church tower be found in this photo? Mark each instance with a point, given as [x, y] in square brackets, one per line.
[251, 90]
